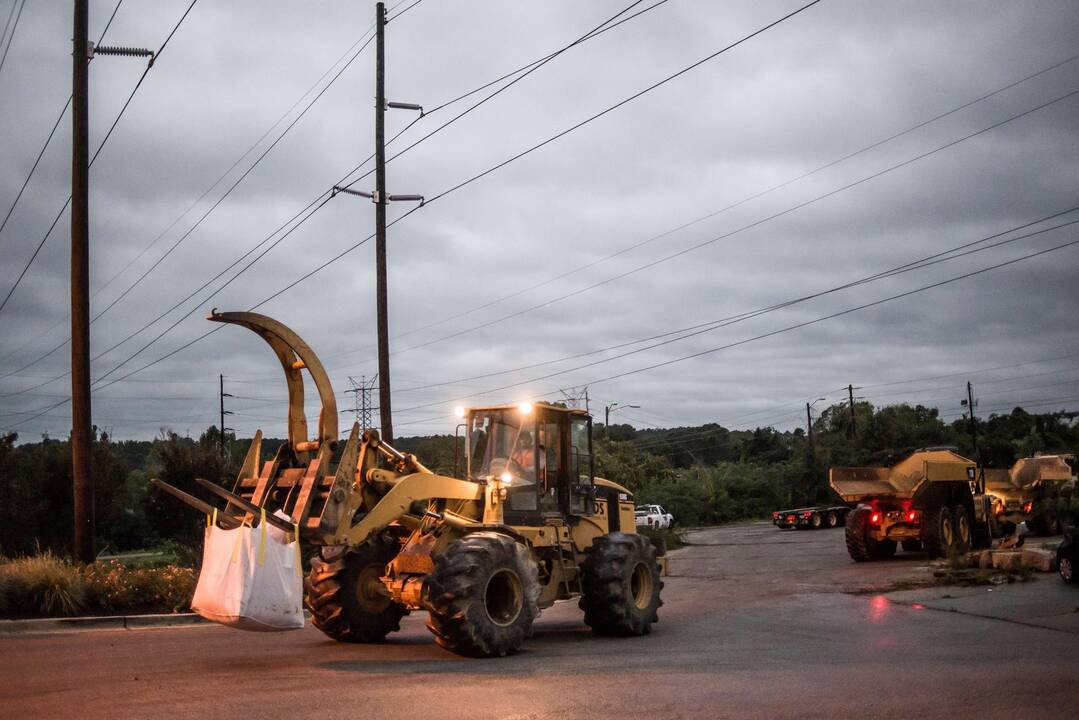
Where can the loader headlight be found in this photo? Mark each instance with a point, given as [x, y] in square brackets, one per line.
[525, 408]
[506, 478]
[459, 411]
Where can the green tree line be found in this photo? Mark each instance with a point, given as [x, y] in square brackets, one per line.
[701, 474]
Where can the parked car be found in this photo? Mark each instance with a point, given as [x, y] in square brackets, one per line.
[1068, 555]
[653, 516]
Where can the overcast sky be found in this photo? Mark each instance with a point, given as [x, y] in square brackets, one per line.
[828, 82]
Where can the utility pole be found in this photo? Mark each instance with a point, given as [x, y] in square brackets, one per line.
[81, 433]
[853, 427]
[224, 412]
[386, 419]
[379, 197]
[973, 427]
[809, 428]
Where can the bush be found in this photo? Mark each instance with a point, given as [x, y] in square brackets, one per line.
[45, 585]
[41, 585]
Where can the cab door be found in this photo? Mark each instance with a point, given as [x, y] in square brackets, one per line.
[581, 490]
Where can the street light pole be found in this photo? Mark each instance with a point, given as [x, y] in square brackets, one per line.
[607, 417]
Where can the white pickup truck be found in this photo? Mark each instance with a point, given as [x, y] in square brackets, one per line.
[653, 516]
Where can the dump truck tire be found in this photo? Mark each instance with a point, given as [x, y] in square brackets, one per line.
[347, 600]
[938, 531]
[621, 585]
[912, 545]
[964, 528]
[858, 544]
[482, 596]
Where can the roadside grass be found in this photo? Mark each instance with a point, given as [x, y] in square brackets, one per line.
[45, 585]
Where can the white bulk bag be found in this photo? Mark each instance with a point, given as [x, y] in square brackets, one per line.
[251, 578]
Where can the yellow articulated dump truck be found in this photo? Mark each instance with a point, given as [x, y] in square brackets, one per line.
[1036, 490]
[527, 525]
[932, 500]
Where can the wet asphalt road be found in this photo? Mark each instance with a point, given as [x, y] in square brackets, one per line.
[757, 623]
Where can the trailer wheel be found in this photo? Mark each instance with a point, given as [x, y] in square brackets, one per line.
[621, 585]
[912, 545]
[481, 596]
[832, 519]
[938, 531]
[964, 533]
[858, 542]
[816, 521]
[347, 600]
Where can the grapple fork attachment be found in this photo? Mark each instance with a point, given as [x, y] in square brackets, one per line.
[302, 479]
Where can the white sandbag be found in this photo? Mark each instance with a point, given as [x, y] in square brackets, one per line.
[251, 578]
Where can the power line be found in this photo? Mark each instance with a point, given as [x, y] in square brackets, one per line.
[11, 40]
[763, 336]
[100, 147]
[193, 205]
[742, 201]
[52, 132]
[414, 4]
[293, 284]
[324, 198]
[699, 328]
[731, 233]
[535, 66]
[234, 185]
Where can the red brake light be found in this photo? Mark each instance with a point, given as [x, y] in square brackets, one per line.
[807, 513]
[775, 515]
[912, 515]
[791, 518]
[874, 518]
[1028, 506]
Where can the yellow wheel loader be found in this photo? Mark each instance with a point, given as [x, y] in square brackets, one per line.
[1036, 490]
[933, 500]
[527, 525]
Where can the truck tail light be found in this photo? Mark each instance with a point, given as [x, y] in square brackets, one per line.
[1028, 506]
[807, 514]
[775, 516]
[912, 516]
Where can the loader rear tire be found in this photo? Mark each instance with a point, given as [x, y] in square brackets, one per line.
[482, 596]
[858, 542]
[621, 585]
[347, 600]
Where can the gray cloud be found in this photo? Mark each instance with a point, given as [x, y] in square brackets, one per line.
[830, 81]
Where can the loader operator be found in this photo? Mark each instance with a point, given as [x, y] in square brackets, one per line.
[524, 456]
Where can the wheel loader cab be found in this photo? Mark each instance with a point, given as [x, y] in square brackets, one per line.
[541, 453]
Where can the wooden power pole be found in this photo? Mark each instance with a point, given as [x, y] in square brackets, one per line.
[385, 416]
[81, 432]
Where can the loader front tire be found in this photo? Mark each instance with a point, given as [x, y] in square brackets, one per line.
[482, 596]
[621, 585]
[347, 600]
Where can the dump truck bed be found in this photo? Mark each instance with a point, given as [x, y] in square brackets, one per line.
[901, 481]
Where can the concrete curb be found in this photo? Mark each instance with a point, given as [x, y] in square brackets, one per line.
[109, 622]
